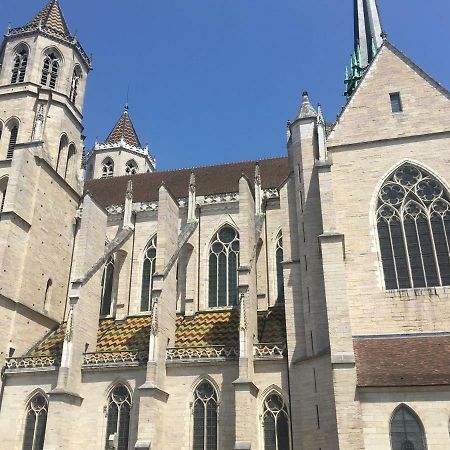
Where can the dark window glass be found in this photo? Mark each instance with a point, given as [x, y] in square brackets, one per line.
[119, 411]
[276, 423]
[50, 71]
[12, 141]
[279, 260]
[407, 431]
[20, 66]
[204, 411]
[148, 271]
[35, 423]
[107, 287]
[396, 102]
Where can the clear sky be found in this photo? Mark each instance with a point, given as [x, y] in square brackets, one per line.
[216, 80]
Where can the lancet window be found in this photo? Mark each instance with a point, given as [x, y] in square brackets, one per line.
[3, 186]
[107, 287]
[148, 271]
[35, 423]
[205, 414]
[223, 265]
[131, 168]
[275, 423]
[279, 256]
[13, 133]
[107, 168]
[50, 70]
[413, 221]
[407, 430]
[20, 65]
[118, 425]
[76, 78]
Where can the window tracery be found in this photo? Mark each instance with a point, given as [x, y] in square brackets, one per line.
[131, 168]
[20, 65]
[50, 70]
[107, 168]
[279, 256]
[119, 409]
[35, 423]
[407, 431]
[275, 423]
[413, 221]
[107, 287]
[204, 410]
[223, 265]
[148, 271]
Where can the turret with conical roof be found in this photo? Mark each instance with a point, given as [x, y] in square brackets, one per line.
[121, 153]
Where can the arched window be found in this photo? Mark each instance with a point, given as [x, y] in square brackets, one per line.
[279, 264]
[107, 168]
[275, 423]
[35, 423]
[3, 186]
[50, 69]
[414, 230]
[119, 408]
[76, 78]
[204, 410]
[13, 133]
[20, 65]
[407, 430]
[148, 270]
[70, 161]
[131, 168]
[223, 265]
[63, 143]
[107, 287]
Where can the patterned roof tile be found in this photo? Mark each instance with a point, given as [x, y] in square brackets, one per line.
[124, 129]
[51, 17]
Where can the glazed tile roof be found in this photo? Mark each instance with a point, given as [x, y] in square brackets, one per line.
[403, 361]
[210, 180]
[124, 129]
[51, 17]
[204, 329]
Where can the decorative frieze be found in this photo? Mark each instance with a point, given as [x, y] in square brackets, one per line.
[33, 362]
[262, 351]
[203, 352]
[115, 359]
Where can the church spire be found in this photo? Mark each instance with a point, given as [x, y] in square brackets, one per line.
[124, 131]
[52, 18]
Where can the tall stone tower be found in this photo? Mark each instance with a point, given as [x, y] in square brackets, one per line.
[42, 86]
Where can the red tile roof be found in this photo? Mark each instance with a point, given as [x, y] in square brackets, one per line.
[210, 180]
[124, 129]
[403, 361]
[51, 17]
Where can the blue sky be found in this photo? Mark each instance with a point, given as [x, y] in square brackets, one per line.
[216, 80]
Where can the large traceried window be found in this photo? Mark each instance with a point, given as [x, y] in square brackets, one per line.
[20, 65]
[131, 168]
[107, 168]
[119, 409]
[148, 271]
[279, 256]
[407, 430]
[35, 423]
[413, 220]
[50, 70]
[76, 78]
[107, 287]
[275, 423]
[223, 265]
[205, 414]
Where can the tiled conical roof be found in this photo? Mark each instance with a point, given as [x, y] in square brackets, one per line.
[51, 17]
[124, 130]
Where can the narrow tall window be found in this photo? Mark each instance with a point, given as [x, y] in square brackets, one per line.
[3, 186]
[12, 141]
[279, 256]
[35, 423]
[275, 423]
[414, 230]
[131, 168]
[396, 102]
[50, 70]
[107, 168]
[407, 430]
[63, 143]
[107, 287]
[223, 265]
[70, 161]
[148, 271]
[76, 78]
[204, 410]
[119, 408]
[48, 294]
[20, 66]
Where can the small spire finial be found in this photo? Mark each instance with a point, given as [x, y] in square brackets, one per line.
[384, 36]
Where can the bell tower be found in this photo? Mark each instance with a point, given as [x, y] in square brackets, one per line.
[42, 85]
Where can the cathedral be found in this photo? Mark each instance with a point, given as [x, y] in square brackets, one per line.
[291, 303]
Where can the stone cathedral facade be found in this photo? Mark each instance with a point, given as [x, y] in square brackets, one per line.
[294, 303]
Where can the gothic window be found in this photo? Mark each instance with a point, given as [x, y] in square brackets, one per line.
[279, 266]
[14, 131]
[3, 186]
[76, 78]
[107, 168]
[148, 270]
[107, 287]
[20, 65]
[406, 430]
[413, 221]
[223, 265]
[70, 160]
[63, 143]
[119, 408]
[35, 423]
[131, 168]
[204, 410]
[275, 423]
[50, 70]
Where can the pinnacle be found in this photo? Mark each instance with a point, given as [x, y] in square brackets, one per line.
[306, 109]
